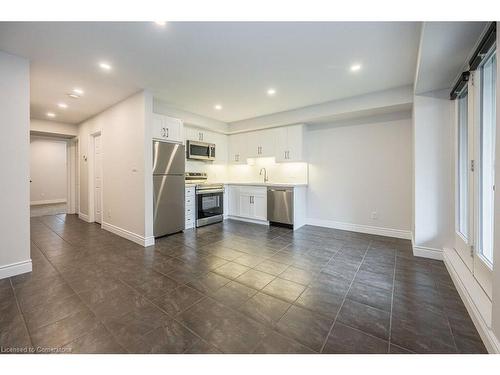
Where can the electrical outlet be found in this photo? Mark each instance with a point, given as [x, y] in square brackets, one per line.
[109, 214]
[374, 215]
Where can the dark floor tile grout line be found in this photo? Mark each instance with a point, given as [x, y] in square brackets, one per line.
[79, 297]
[392, 301]
[21, 312]
[448, 322]
[343, 300]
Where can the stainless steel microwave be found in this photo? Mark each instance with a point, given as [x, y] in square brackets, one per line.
[200, 150]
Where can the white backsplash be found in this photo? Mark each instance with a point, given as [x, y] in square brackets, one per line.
[276, 172]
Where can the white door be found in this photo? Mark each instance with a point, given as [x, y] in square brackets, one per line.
[259, 203]
[485, 135]
[295, 135]
[245, 205]
[173, 131]
[97, 179]
[237, 148]
[475, 176]
[281, 144]
[233, 200]
[158, 127]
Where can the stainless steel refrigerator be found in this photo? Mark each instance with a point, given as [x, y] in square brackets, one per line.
[168, 187]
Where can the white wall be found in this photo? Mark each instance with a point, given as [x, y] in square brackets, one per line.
[125, 170]
[14, 166]
[359, 167]
[48, 172]
[54, 128]
[433, 168]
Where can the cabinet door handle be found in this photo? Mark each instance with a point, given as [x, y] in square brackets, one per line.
[167, 132]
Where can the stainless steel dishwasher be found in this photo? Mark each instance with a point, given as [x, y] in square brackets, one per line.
[280, 205]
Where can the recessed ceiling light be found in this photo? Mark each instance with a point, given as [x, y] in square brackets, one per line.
[218, 107]
[271, 92]
[78, 91]
[161, 23]
[51, 114]
[73, 96]
[105, 66]
[62, 105]
[355, 67]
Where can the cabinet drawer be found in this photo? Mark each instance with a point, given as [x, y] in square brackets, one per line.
[190, 211]
[189, 223]
[253, 190]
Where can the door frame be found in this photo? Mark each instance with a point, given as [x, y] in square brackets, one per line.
[91, 178]
[73, 176]
[72, 167]
[482, 271]
[464, 246]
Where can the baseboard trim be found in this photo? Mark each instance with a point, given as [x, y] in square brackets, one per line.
[149, 241]
[428, 252]
[379, 231]
[48, 201]
[131, 236]
[83, 217]
[14, 269]
[491, 342]
[261, 222]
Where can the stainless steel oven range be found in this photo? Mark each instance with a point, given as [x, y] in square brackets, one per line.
[209, 199]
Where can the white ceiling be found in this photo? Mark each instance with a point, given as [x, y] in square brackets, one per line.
[194, 66]
[444, 50]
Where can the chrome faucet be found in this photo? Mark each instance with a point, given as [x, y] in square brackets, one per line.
[265, 174]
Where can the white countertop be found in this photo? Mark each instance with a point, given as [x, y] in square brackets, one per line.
[278, 184]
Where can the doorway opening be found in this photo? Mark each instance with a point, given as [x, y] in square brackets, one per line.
[53, 175]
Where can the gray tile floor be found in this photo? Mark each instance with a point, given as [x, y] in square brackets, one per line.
[233, 288]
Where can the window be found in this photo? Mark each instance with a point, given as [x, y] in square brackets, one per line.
[463, 165]
[487, 155]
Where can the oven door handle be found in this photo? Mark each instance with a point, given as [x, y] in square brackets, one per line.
[209, 191]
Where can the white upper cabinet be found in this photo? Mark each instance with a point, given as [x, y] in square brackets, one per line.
[238, 148]
[290, 143]
[261, 144]
[285, 144]
[167, 128]
[220, 141]
[199, 135]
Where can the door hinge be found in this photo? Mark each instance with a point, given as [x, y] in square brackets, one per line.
[472, 165]
[472, 251]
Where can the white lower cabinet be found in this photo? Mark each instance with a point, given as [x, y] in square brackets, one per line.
[190, 207]
[248, 202]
